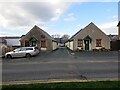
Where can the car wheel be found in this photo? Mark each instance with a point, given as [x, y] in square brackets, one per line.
[9, 56]
[28, 55]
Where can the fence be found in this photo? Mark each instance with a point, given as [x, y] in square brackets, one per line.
[115, 45]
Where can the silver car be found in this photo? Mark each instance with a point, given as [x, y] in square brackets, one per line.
[23, 52]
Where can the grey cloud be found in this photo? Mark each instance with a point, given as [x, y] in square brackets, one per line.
[29, 13]
[40, 10]
[17, 14]
[13, 15]
[18, 22]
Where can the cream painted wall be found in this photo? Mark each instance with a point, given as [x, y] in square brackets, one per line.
[67, 44]
[71, 45]
[55, 46]
[43, 49]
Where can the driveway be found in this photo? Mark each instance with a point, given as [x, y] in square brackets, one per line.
[62, 64]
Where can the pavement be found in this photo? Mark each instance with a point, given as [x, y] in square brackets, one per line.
[61, 65]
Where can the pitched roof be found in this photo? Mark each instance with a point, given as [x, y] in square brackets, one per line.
[45, 33]
[11, 37]
[80, 31]
[12, 41]
[57, 39]
[113, 37]
[60, 40]
[75, 35]
[118, 23]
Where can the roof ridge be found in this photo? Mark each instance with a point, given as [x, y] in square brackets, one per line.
[44, 32]
[75, 34]
[35, 27]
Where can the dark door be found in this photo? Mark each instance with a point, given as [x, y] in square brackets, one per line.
[86, 44]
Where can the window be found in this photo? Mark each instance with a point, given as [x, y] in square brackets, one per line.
[98, 42]
[80, 42]
[23, 49]
[29, 48]
[42, 36]
[43, 44]
[36, 48]
[26, 43]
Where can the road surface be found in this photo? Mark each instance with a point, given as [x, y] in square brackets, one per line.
[62, 64]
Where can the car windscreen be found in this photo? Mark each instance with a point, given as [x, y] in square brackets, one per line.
[23, 49]
[18, 49]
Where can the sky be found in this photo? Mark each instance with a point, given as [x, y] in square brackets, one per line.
[57, 16]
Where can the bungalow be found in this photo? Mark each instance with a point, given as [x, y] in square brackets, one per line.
[89, 38]
[113, 37]
[115, 40]
[38, 37]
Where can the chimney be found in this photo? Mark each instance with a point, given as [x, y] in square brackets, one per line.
[118, 30]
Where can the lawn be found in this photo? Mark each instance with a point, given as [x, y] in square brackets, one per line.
[65, 85]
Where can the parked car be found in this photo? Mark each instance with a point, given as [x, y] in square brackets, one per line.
[62, 45]
[23, 52]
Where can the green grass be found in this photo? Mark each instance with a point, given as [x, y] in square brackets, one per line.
[65, 85]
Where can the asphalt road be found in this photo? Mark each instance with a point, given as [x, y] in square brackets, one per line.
[62, 64]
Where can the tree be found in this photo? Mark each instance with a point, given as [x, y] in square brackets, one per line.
[56, 36]
[65, 36]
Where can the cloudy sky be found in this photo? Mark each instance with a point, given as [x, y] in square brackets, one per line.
[57, 16]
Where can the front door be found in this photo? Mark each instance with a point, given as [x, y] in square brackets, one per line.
[34, 43]
[86, 44]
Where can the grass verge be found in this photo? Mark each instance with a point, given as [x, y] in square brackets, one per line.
[64, 85]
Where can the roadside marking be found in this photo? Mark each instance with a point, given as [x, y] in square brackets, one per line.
[53, 81]
[63, 62]
[71, 54]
